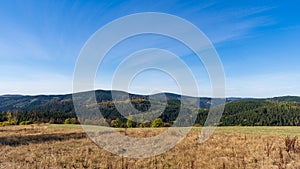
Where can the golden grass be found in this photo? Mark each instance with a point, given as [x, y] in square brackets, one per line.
[66, 146]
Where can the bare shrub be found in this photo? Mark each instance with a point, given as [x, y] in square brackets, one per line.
[281, 164]
[290, 144]
[268, 148]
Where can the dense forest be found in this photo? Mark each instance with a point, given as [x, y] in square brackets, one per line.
[278, 111]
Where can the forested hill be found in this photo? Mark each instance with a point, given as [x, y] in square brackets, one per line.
[262, 113]
[238, 111]
[49, 102]
[285, 99]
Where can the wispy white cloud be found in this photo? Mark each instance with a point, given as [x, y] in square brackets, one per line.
[265, 85]
[19, 79]
[54, 85]
[221, 23]
[293, 27]
[229, 24]
[17, 44]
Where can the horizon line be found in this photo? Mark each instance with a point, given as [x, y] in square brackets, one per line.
[142, 94]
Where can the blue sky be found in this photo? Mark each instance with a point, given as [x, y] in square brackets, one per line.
[257, 42]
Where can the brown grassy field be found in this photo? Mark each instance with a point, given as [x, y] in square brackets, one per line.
[67, 146]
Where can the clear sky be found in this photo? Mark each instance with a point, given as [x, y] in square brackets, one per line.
[257, 42]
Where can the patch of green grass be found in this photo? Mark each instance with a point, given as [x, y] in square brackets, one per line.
[65, 126]
[74, 127]
[256, 130]
[261, 130]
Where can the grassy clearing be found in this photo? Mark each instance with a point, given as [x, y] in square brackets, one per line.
[65, 126]
[67, 146]
[257, 130]
[264, 130]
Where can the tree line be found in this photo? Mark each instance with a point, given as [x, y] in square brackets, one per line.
[243, 113]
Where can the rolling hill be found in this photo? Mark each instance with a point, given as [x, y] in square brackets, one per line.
[238, 111]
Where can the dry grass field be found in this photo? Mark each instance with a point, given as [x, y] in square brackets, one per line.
[67, 146]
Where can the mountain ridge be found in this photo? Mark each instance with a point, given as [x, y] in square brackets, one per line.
[238, 111]
[27, 102]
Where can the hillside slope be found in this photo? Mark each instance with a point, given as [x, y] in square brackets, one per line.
[238, 111]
